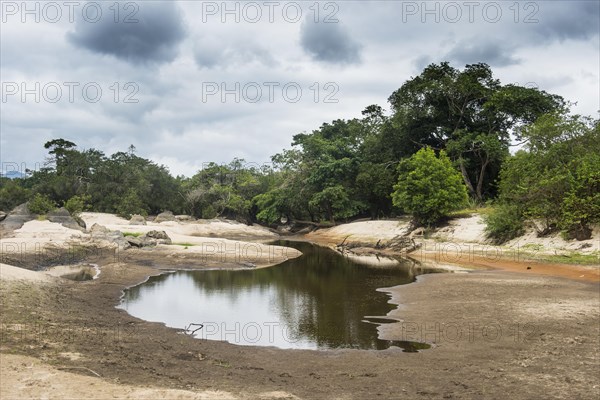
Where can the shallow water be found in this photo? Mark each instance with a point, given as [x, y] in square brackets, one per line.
[317, 301]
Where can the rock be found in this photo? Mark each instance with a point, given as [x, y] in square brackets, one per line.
[137, 219]
[248, 264]
[97, 230]
[164, 216]
[102, 233]
[183, 218]
[2, 215]
[160, 237]
[63, 217]
[80, 221]
[17, 217]
[135, 242]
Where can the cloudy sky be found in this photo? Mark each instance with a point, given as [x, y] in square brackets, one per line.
[192, 82]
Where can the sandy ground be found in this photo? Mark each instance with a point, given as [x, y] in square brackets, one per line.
[496, 334]
[193, 242]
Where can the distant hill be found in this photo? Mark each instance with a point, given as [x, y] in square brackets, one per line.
[13, 174]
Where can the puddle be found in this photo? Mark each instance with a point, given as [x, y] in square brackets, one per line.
[78, 273]
[321, 300]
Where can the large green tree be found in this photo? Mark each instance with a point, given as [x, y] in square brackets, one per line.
[468, 113]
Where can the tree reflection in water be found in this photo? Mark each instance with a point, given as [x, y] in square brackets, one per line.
[316, 301]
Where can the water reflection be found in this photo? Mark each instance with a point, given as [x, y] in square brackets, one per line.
[316, 301]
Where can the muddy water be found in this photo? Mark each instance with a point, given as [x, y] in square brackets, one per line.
[320, 300]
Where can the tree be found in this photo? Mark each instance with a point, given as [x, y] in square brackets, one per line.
[428, 187]
[469, 114]
[555, 180]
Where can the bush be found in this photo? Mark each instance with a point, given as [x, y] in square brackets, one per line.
[131, 204]
[11, 194]
[40, 204]
[429, 187]
[77, 204]
[504, 223]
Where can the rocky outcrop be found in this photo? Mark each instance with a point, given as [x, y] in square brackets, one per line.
[101, 233]
[137, 219]
[63, 217]
[17, 217]
[161, 237]
[151, 238]
[164, 217]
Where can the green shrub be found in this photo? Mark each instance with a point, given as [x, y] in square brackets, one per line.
[504, 223]
[77, 204]
[131, 204]
[429, 187]
[40, 204]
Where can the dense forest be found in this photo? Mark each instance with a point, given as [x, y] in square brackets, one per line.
[445, 145]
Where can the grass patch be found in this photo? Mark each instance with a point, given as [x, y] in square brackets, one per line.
[134, 234]
[573, 258]
[184, 244]
[533, 246]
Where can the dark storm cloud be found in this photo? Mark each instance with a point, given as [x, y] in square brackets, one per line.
[329, 42]
[492, 53]
[578, 20]
[153, 38]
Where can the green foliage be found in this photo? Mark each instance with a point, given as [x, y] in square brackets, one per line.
[131, 204]
[469, 114]
[504, 223]
[12, 193]
[429, 187]
[133, 234]
[556, 179]
[41, 204]
[77, 204]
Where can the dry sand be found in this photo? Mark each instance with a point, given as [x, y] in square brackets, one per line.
[26, 377]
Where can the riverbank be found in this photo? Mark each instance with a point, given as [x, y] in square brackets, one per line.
[462, 243]
[495, 334]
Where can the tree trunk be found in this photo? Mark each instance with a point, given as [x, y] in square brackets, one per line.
[465, 176]
[479, 193]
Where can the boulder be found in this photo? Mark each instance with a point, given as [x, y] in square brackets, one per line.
[160, 237]
[63, 217]
[17, 217]
[102, 233]
[164, 216]
[133, 241]
[2, 215]
[137, 219]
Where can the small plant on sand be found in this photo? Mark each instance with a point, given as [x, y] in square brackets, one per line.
[504, 223]
[40, 204]
[77, 204]
[134, 234]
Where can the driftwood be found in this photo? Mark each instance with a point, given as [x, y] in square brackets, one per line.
[403, 244]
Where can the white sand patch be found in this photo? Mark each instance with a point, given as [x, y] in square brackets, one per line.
[34, 235]
[92, 218]
[555, 243]
[11, 273]
[365, 231]
[469, 229]
[204, 228]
